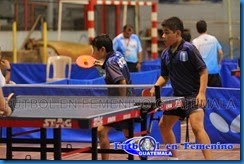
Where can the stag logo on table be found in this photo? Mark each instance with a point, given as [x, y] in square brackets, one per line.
[57, 123]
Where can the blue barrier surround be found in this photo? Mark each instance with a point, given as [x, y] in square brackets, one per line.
[36, 73]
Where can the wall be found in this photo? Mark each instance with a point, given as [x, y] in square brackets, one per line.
[214, 13]
[6, 44]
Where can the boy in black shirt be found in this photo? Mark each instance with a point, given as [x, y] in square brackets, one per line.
[182, 63]
[116, 72]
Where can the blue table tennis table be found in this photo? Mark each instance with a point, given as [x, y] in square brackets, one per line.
[82, 112]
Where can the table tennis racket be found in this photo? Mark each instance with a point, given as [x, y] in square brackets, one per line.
[146, 92]
[87, 61]
[12, 99]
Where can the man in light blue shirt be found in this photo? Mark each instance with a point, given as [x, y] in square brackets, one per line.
[129, 45]
[211, 52]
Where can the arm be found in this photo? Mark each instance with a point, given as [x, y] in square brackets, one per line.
[7, 76]
[7, 68]
[2, 102]
[139, 55]
[4, 108]
[221, 54]
[122, 91]
[162, 80]
[201, 97]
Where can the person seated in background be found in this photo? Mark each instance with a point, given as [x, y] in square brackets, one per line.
[6, 69]
[6, 106]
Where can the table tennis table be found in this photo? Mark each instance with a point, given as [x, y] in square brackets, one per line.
[82, 112]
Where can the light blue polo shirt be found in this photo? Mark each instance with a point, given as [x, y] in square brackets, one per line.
[128, 47]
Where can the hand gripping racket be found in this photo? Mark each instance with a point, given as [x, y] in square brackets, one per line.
[11, 99]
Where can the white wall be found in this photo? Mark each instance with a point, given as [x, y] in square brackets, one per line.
[215, 14]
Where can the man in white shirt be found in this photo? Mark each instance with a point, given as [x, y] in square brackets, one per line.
[129, 45]
[211, 52]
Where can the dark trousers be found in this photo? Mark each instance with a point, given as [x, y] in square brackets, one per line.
[214, 80]
[132, 67]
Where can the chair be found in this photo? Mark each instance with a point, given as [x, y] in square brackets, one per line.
[59, 65]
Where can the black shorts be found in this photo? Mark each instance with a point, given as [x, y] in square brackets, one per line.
[186, 110]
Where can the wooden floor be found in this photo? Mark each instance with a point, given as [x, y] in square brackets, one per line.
[233, 154]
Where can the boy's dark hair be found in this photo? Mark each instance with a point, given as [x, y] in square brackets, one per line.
[103, 40]
[173, 23]
[186, 35]
[201, 26]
